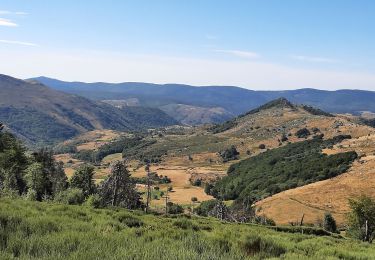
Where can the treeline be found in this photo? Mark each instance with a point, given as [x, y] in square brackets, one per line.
[131, 147]
[37, 176]
[276, 170]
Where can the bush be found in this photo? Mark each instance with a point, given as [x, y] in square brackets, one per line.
[129, 220]
[70, 196]
[254, 245]
[93, 201]
[194, 199]
[329, 223]
[303, 133]
[205, 207]
[174, 208]
[184, 223]
[229, 154]
[262, 146]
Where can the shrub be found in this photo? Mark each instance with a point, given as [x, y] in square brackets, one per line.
[254, 245]
[93, 201]
[205, 207]
[262, 146]
[329, 223]
[174, 208]
[303, 133]
[70, 196]
[194, 199]
[129, 220]
[229, 154]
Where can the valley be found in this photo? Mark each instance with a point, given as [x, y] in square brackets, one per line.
[188, 154]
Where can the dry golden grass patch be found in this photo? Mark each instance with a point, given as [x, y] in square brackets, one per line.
[330, 195]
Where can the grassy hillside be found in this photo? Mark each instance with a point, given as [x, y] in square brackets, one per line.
[44, 116]
[281, 169]
[34, 230]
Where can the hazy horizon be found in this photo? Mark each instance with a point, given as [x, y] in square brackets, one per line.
[273, 45]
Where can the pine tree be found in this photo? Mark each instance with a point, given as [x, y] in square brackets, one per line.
[118, 189]
[83, 178]
[329, 223]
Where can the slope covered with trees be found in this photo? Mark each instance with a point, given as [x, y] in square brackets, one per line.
[41, 115]
[283, 168]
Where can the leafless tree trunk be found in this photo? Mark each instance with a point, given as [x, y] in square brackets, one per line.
[114, 198]
[148, 199]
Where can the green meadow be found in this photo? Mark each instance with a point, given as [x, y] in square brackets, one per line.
[44, 230]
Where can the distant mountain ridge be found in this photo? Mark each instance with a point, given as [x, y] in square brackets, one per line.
[40, 114]
[234, 100]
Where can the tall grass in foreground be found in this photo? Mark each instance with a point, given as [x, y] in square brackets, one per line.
[34, 230]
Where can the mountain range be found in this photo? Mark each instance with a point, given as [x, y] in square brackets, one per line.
[217, 103]
[39, 114]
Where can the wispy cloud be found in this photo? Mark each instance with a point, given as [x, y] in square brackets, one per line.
[313, 59]
[6, 22]
[6, 12]
[19, 43]
[239, 53]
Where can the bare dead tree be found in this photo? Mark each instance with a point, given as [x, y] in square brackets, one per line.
[148, 199]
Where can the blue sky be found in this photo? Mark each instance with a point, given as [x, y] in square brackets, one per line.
[254, 44]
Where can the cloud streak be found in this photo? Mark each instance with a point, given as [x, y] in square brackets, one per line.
[313, 59]
[19, 43]
[5, 12]
[8, 23]
[240, 54]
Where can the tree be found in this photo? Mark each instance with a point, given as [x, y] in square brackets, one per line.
[83, 178]
[118, 189]
[361, 218]
[329, 223]
[54, 176]
[148, 199]
[13, 163]
[229, 154]
[35, 180]
[303, 133]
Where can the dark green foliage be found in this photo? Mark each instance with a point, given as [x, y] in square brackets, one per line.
[35, 126]
[174, 208]
[13, 163]
[83, 178]
[362, 218]
[262, 146]
[118, 189]
[154, 179]
[282, 168]
[368, 122]
[229, 154]
[303, 133]
[223, 127]
[284, 138]
[264, 248]
[205, 207]
[302, 230]
[129, 220]
[53, 175]
[316, 111]
[65, 148]
[329, 223]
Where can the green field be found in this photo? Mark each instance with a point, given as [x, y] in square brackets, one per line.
[41, 230]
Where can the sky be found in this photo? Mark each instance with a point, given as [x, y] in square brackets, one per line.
[260, 45]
